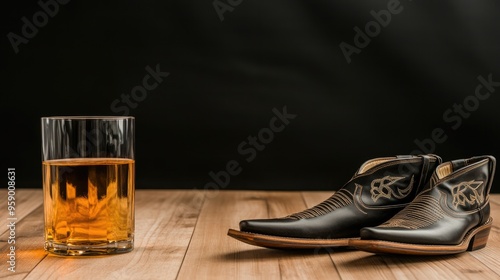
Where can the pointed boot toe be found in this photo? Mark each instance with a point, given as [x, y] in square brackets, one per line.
[375, 233]
[266, 226]
[451, 215]
[379, 189]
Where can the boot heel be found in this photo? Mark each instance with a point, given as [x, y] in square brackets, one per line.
[480, 239]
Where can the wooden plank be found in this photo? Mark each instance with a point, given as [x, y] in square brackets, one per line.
[460, 266]
[165, 220]
[26, 201]
[29, 244]
[214, 255]
[28, 233]
[495, 198]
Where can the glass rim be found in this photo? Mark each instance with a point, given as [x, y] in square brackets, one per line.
[88, 118]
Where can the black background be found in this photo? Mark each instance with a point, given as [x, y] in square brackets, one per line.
[227, 76]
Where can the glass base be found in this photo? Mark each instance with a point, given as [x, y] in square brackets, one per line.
[89, 249]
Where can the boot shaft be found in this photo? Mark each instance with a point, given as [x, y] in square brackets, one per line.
[464, 184]
[392, 181]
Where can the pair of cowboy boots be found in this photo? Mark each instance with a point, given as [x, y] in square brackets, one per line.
[402, 205]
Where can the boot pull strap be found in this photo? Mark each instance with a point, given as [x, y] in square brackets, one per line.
[425, 174]
[492, 168]
[459, 163]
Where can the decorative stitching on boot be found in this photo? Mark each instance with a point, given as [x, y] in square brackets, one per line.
[382, 188]
[422, 212]
[337, 200]
[362, 207]
[433, 181]
[467, 194]
[459, 212]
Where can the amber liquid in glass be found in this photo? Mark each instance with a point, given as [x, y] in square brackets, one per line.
[89, 205]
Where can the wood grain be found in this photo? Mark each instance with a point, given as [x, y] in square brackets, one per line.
[182, 234]
[29, 233]
[26, 200]
[164, 226]
[214, 254]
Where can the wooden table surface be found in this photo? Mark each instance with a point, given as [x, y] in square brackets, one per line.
[182, 234]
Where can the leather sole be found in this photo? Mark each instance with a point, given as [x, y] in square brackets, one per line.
[474, 240]
[279, 242]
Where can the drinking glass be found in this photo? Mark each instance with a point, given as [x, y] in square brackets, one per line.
[88, 172]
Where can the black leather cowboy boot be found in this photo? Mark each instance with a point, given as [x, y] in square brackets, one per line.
[378, 190]
[451, 215]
